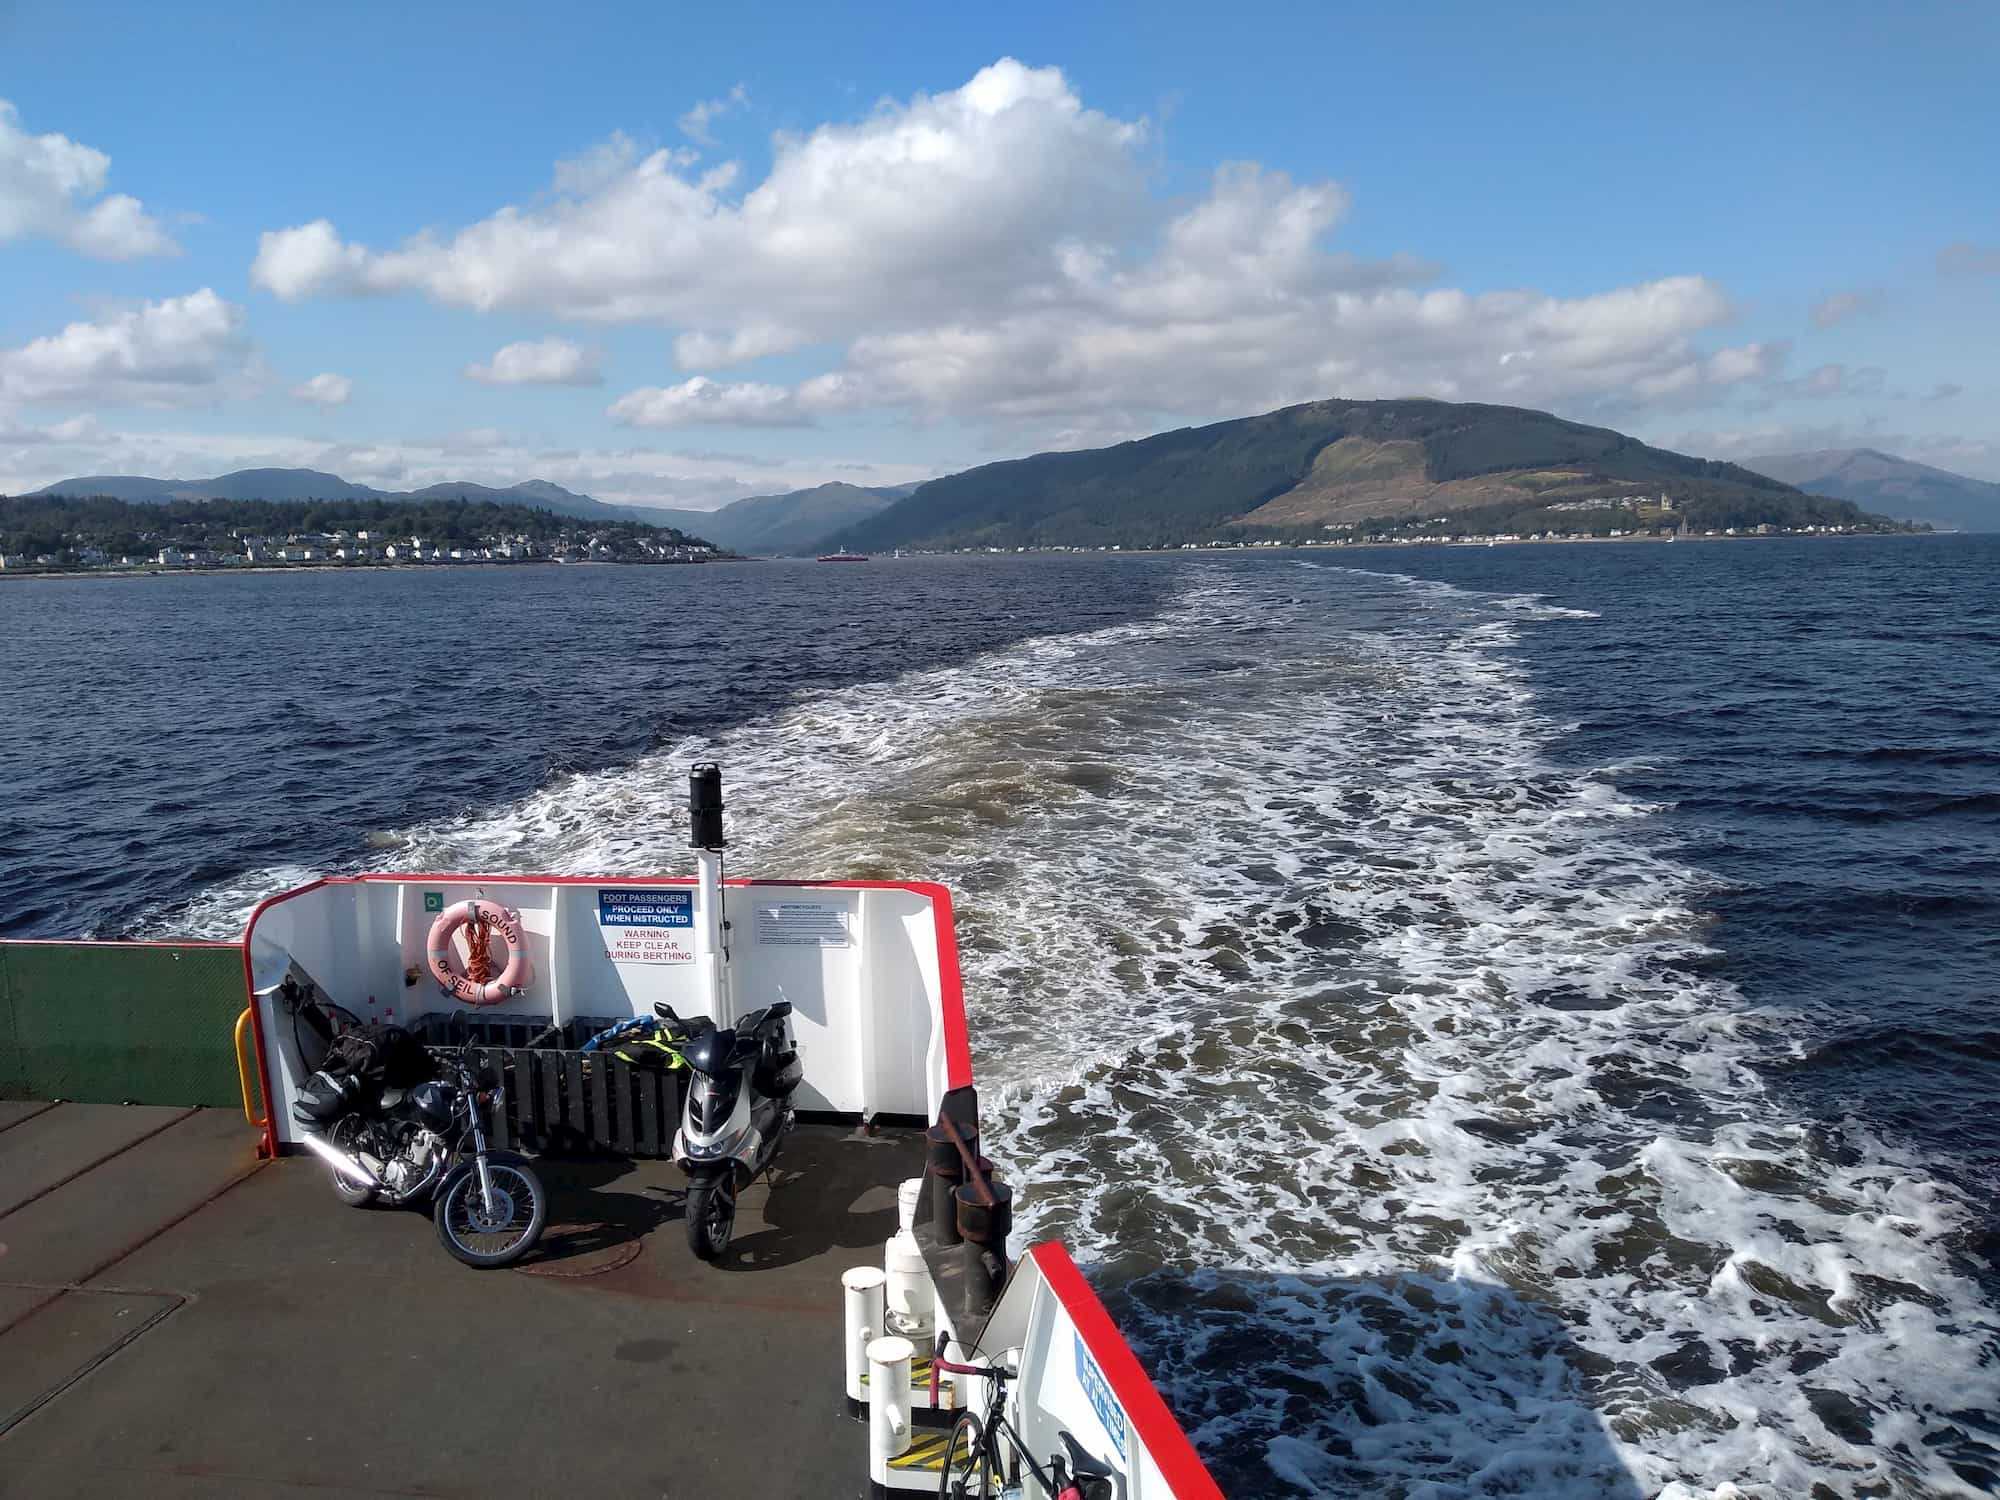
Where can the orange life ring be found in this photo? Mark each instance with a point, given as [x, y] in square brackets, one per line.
[472, 987]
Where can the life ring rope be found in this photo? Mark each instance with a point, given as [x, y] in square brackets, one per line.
[482, 921]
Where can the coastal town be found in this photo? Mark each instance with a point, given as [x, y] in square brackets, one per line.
[1623, 518]
[344, 549]
[202, 548]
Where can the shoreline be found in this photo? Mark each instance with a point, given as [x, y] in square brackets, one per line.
[1199, 548]
[373, 567]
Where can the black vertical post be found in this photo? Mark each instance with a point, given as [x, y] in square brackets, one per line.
[705, 806]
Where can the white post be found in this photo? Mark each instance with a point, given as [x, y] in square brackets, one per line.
[863, 1287]
[558, 942]
[911, 1302]
[888, 1404]
[712, 940]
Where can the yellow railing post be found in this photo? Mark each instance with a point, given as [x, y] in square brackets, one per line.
[243, 1072]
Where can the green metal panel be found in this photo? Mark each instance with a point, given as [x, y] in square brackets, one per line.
[116, 1023]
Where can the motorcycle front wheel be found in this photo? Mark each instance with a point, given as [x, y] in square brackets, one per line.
[711, 1214]
[495, 1234]
[346, 1136]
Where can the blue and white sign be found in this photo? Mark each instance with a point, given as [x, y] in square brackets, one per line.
[645, 909]
[1097, 1390]
[647, 927]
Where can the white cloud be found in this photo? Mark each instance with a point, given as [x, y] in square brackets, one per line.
[46, 184]
[1964, 258]
[326, 389]
[597, 168]
[1838, 307]
[1203, 337]
[701, 400]
[972, 194]
[82, 429]
[549, 361]
[294, 263]
[181, 351]
[993, 254]
[694, 124]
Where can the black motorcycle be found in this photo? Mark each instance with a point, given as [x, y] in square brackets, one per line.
[427, 1143]
[738, 1111]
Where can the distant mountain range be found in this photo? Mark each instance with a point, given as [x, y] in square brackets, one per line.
[791, 524]
[1320, 464]
[759, 525]
[1283, 473]
[312, 484]
[1893, 486]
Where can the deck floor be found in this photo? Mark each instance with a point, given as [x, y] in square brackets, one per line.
[180, 1319]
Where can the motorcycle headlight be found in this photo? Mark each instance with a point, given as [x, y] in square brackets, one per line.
[730, 1144]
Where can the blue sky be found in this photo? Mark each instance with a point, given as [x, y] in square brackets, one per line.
[660, 254]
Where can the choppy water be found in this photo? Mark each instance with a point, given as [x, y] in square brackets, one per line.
[1523, 1029]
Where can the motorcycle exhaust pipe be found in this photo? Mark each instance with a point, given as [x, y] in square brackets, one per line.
[340, 1161]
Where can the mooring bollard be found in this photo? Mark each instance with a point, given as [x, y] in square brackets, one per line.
[888, 1404]
[863, 1290]
[946, 1170]
[910, 1306]
[984, 1226]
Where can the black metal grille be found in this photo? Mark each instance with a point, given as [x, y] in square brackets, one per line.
[555, 1099]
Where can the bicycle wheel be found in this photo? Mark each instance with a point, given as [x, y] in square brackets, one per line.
[966, 1475]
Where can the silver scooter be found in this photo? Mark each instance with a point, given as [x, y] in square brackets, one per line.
[738, 1111]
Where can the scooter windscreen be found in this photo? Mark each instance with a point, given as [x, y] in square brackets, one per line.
[712, 1101]
[711, 1052]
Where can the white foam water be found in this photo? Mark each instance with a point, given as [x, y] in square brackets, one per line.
[1374, 1063]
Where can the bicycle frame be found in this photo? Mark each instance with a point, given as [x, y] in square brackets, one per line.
[1055, 1482]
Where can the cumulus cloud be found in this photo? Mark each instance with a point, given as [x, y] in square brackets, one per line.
[295, 263]
[994, 254]
[912, 207]
[701, 400]
[1838, 307]
[326, 389]
[181, 351]
[15, 433]
[694, 124]
[549, 361]
[1967, 259]
[47, 184]
[1184, 336]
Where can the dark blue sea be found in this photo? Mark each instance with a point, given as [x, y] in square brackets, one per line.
[1495, 1021]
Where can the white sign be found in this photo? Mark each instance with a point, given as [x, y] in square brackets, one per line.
[803, 924]
[647, 926]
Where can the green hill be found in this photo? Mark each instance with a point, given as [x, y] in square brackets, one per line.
[783, 525]
[1322, 464]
